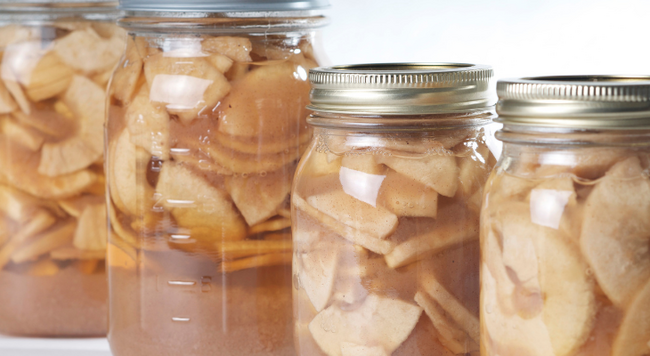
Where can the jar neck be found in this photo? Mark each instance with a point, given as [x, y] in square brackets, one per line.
[405, 123]
[39, 13]
[567, 137]
[227, 22]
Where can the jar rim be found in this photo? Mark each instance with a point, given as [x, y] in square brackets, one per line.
[612, 102]
[402, 88]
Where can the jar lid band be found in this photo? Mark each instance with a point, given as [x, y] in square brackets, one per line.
[222, 5]
[401, 88]
[579, 102]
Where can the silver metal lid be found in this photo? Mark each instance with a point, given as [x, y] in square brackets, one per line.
[581, 101]
[222, 5]
[402, 88]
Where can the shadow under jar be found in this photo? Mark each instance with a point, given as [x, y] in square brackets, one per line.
[57, 58]
[207, 122]
[565, 226]
[385, 209]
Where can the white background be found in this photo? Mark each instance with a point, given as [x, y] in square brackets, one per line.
[516, 37]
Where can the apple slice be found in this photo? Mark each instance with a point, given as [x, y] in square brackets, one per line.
[438, 172]
[616, 231]
[125, 78]
[352, 212]
[258, 197]
[186, 86]
[20, 134]
[195, 203]
[379, 321]
[91, 232]
[148, 125]
[85, 51]
[86, 100]
[236, 48]
[633, 337]
[407, 197]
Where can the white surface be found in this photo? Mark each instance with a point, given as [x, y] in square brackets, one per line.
[518, 38]
[10, 346]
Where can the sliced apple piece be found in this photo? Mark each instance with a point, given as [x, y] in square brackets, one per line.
[377, 222]
[25, 136]
[60, 235]
[474, 170]
[71, 253]
[616, 231]
[270, 225]
[221, 62]
[86, 100]
[407, 197]
[351, 349]
[91, 233]
[452, 306]
[48, 78]
[271, 259]
[450, 335]
[258, 197]
[569, 307]
[633, 337]
[125, 78]
[319, 164]
[235, 48]
[186, 86]
[127, 167]
[85, 51]
[252, 163]
[7, 103]
[262, 146]
[454, 225]
[195, 203]
[75, 206]
[148, 125]
[379, 321]
[509, 334]
[438, 172]
[280, 97]
[49, 122]
[316, 266]
[358, 237]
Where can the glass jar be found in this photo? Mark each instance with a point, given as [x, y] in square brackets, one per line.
[565, 227]
[207, 122]
[56, 60]
[385, 209]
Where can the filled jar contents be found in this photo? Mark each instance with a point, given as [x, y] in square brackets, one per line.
[566, 254]
[52, 213]
[204, 135]
[565, 226]
[385, 208]
[386, 243]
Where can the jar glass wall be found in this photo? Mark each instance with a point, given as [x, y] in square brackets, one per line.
[386, 222]
[206, 126]
[565, 236]
[56, 63]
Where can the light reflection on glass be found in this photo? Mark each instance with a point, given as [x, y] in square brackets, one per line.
[179, 92]
[547, 206]
[360, 185]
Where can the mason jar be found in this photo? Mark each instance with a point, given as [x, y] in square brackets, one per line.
[565, 226]
[206, 124]
[56, 60]
[385, 209]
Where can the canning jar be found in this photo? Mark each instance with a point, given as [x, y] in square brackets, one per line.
[565, 226]
[385, 209]
[207, 122]
[56, 60]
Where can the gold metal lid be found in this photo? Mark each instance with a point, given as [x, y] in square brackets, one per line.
[402, 88]
[579, 101]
